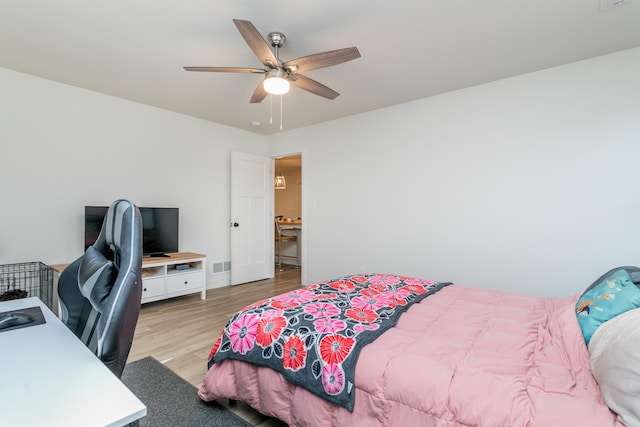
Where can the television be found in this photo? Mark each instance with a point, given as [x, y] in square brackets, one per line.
[159, 228]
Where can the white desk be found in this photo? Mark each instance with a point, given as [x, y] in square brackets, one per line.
[49, 378]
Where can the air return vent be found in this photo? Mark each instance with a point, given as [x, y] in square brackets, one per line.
[221, 267]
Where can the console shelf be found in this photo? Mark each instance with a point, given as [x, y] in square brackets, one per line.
[179, 273]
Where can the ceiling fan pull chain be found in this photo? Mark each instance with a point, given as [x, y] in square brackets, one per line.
[280, 113]
[271, 110]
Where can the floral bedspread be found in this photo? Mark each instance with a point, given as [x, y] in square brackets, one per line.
[313, 335]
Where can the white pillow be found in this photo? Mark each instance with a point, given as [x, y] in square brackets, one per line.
[615, 364]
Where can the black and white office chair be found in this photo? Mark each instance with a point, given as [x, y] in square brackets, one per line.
[99, 293]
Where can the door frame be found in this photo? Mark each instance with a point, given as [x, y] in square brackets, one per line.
[303, 246]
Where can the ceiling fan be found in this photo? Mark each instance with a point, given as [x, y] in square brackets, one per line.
[278, 74]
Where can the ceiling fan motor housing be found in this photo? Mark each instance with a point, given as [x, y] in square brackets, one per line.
[276, 39]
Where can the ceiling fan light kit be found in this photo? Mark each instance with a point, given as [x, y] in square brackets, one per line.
[275, 83]
[283, 74]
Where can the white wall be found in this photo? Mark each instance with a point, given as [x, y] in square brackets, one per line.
[64, 148]
[527, 184]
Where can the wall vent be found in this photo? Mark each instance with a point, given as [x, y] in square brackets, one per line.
[221, 267]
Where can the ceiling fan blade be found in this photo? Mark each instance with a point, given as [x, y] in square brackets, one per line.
[259, 94]
[314, 87]
[227, 69]
[321, 60]
[256, 42]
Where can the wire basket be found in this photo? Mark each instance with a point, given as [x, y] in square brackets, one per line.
[27, 279]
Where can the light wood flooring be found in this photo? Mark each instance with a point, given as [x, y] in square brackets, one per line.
[179, 332]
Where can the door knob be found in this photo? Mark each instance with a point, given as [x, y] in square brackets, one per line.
[235, 224]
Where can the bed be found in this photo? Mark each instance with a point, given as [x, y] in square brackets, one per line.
[448, 355]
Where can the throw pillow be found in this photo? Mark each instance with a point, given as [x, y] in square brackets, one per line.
[96, 276]
[614, 295]
[615, 363]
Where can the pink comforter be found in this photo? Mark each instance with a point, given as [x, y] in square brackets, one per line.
[462, 357]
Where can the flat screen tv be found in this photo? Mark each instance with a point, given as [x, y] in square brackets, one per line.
[159, 228]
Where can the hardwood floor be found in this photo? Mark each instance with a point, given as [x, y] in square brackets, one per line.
[179, 332]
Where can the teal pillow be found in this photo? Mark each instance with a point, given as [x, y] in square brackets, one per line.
[614, 295]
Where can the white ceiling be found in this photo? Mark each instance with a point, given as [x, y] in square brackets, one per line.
[411, 49]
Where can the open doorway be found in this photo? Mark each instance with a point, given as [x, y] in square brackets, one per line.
[288, 213]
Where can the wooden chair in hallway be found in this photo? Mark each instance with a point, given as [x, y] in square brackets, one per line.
[285, 234]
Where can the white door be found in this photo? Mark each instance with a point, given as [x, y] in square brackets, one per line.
[252, 227]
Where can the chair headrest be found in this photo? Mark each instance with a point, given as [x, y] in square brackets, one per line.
[113, 221]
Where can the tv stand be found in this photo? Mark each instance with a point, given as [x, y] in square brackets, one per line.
[171, 275]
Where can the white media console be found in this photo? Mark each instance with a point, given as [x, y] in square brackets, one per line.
[177, 274]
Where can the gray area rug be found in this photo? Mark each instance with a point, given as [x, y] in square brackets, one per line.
[172, 401]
